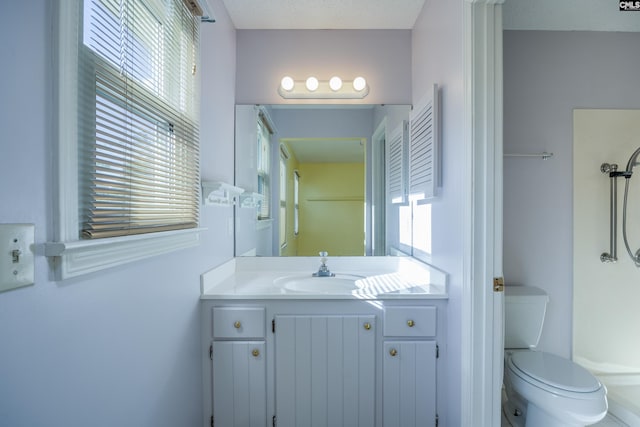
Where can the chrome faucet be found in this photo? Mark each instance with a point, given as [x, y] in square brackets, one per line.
[323, 271]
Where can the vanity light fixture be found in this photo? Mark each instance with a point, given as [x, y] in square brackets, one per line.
[312, 88]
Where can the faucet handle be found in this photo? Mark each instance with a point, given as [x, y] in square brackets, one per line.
[323, 258]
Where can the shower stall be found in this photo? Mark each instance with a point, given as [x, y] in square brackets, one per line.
[606, 284]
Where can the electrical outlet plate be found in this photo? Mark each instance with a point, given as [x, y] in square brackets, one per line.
[17, 245]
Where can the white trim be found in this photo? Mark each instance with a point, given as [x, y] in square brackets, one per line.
[376, 232]
[263, 224]
[66, 198]
[482, 309]
[79, 257]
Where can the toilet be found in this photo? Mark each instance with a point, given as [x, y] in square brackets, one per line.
[542, 389]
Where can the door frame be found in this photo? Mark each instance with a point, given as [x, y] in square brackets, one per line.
[482, 308]
[377, 230]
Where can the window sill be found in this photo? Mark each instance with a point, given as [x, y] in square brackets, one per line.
[75, 258]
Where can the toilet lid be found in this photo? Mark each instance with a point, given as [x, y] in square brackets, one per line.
[555, 371]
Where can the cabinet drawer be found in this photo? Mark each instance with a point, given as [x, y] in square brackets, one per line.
[238, 322]
[410, 321]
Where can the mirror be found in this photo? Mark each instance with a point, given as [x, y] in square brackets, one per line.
[314, 178]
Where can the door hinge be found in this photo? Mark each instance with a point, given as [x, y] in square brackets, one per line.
[498, 284]
[273, 421]
[437, 351]
[211, 420]
[273, 326]
[211, 351]
[437, 420]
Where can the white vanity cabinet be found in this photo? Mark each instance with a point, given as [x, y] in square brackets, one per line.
[238, 366]
[322, 362]
[409, 366]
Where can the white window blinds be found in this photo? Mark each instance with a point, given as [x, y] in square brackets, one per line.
[138, 118]
[423, 148]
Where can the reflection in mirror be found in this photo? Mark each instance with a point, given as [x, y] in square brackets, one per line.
[314, 179]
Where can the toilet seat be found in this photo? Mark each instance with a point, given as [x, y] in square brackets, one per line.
[557, 373]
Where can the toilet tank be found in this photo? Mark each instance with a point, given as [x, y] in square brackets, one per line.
[525, 307]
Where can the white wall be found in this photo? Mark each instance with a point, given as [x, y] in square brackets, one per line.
[120, 347]
[568, 15]
[383, 57]
[437, 52]
[546, 75]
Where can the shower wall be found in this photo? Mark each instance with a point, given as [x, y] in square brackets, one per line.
[606, 296]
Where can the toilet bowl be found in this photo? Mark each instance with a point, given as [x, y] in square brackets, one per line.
[543, 389]
[547, 390]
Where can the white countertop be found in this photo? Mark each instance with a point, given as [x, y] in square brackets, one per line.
[378, 278]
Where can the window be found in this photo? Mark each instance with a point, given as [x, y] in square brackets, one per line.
[283, 199]
[264, 166]
[414, 229]
[128, 171]
[139, 132]
[296, 203]
[421, 230]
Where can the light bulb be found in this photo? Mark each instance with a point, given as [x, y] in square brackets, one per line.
[287, 83]
[312, 84]
[335, 83]
[359, 83]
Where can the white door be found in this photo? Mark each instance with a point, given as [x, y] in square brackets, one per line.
[409, 383]
[325, 371]
[239, 384]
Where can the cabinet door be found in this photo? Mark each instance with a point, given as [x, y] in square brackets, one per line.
[325, 371]
[239, 384]
[409, 383]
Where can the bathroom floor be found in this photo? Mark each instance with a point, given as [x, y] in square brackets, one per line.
[609, 421]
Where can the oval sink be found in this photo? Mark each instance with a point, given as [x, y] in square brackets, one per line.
[338, 284]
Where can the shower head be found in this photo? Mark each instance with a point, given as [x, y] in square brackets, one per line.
[632, 162]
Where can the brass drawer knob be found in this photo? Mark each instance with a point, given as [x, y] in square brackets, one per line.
[255, 352]
[411, 323]
[393, 352]
[237, 324]
[367, 326]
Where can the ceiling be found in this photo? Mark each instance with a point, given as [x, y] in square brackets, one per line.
[323, 14]
[572, 15]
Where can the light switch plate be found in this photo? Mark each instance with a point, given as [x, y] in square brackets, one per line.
[17, 245]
